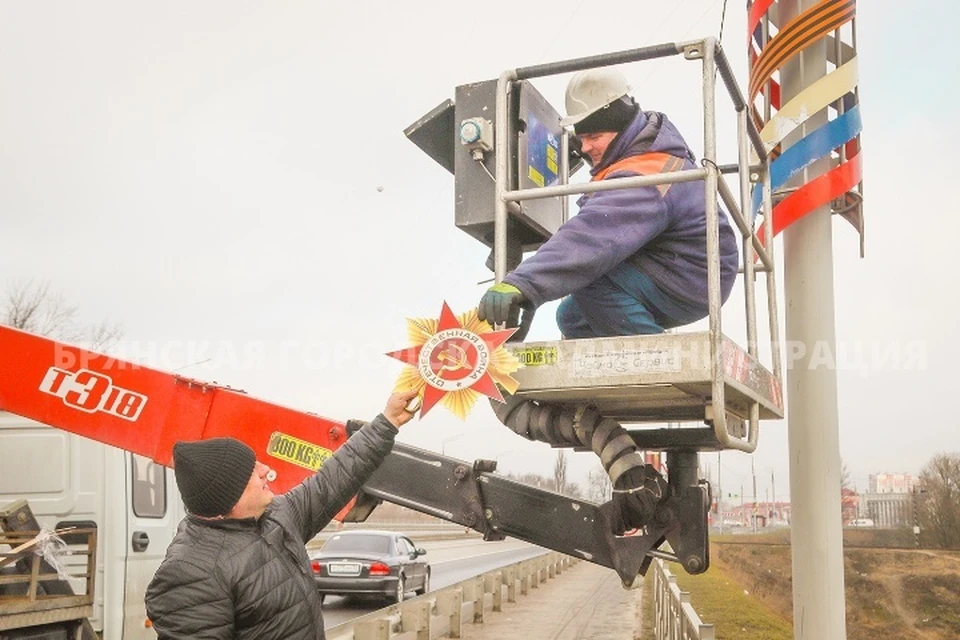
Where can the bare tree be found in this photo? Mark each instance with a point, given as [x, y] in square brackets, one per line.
[849, 500]
[573, 490]
[599, 487]
[939, 506]
[532, 479]
[35, 309]
[845, 482]
[560, 471]
[38, 309]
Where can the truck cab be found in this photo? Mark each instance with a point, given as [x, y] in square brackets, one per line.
[134, 504]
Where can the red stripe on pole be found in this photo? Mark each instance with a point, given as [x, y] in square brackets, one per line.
[757, 9]
[817, 193]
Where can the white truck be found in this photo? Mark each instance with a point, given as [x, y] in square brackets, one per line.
[133, 503]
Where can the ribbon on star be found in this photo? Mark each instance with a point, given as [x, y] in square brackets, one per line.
[454, 360]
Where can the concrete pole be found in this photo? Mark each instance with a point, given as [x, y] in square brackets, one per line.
[814, 441]
[743, 509]
[916, 519]
[773, 483]
[719, 495]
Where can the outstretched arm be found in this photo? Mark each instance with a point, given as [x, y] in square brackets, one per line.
[314, 502]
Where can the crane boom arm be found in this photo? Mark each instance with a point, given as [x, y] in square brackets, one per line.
[145, 411]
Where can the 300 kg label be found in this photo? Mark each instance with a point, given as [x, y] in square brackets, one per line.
[536, 356]
[88, 391]
[299, 452]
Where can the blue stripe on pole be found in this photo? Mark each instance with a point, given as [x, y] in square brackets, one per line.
[812, 147]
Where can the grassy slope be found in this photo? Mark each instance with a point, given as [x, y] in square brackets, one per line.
[890, 593]
[718, 598]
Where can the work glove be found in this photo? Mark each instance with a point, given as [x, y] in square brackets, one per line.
[502, 304]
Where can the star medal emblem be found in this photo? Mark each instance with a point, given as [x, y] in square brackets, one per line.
[454, 360]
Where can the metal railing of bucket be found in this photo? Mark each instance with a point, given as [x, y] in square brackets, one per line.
[757, 245]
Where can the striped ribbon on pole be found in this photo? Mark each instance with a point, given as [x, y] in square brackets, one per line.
[771, 44]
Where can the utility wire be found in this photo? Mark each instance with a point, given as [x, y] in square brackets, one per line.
[723, 17]
[562, 31]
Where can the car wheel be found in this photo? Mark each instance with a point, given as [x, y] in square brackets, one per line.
[401, 590]
[426, 584]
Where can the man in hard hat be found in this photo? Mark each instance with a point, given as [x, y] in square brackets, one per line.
[632, 261]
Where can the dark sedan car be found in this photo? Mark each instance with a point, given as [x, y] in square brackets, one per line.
[380, 563]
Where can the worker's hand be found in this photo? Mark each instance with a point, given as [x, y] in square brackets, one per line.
[397, 410]
[501, 303]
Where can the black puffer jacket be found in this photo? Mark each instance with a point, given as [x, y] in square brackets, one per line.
[251, 578]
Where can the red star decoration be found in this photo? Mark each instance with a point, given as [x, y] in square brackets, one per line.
[483, 384]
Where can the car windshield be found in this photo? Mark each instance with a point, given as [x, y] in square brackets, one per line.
[361, 543]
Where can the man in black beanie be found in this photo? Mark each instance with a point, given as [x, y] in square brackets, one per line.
[238, 566]
[632, 261]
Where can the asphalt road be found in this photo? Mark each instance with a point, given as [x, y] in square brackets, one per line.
[451, 561]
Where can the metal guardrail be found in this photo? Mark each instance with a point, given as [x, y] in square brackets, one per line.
[674, 616]
[442, 613]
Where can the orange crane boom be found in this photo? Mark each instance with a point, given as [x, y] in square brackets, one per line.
[145, 411]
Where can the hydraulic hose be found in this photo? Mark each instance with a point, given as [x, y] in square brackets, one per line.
[638, 488]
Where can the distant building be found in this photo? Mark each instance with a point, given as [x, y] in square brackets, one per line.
[887, 510]
[767, 514]
[889, 502]
[892, 483]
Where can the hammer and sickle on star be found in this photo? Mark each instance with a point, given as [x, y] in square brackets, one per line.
[455, 356]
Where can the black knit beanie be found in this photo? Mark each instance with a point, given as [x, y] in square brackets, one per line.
[614, 117]
[212, 474]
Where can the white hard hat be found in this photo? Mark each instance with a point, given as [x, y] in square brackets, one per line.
[591, 90]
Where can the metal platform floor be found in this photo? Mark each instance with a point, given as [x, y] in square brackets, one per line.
[641, 379]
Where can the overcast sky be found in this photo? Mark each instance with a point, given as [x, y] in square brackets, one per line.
[229, 181]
